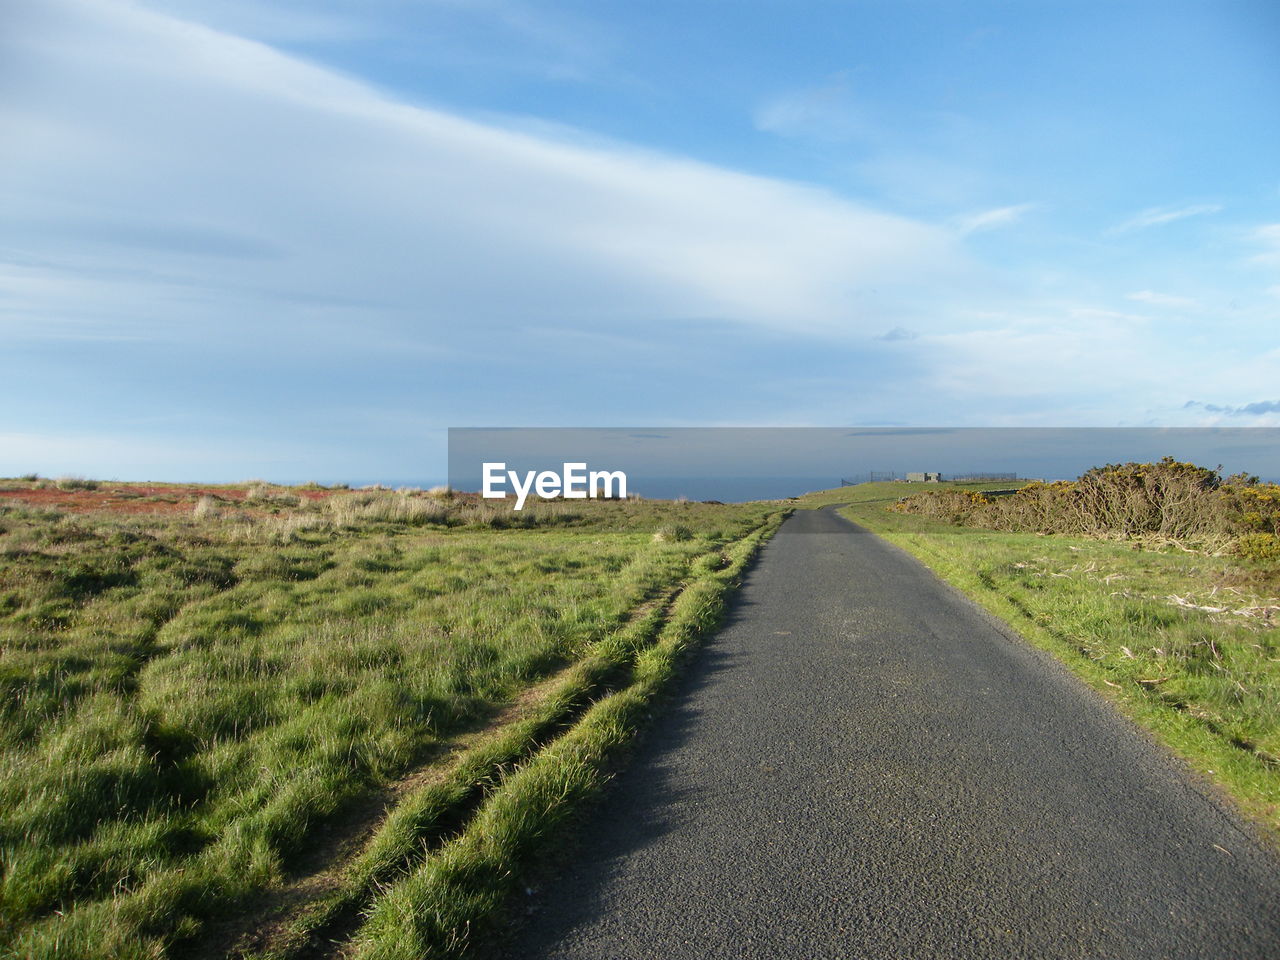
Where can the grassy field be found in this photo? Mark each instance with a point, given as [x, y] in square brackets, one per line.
[240, 721]
[253, 721]
[1184, 641]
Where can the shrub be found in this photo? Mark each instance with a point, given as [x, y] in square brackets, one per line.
[954, 506]
[1257, 546]
[1171, 500]
[266, 494]
[351, 509]
[672, 532]
[1254, 507]
[206, 507]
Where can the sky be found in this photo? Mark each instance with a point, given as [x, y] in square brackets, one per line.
[300, 240]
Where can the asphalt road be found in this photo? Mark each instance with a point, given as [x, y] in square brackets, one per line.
[861, 764]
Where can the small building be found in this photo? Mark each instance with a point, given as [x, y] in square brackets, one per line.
[924, 477]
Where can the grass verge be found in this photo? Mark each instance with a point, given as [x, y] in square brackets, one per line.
[458, 891]
[1186, 644]
[440, 804]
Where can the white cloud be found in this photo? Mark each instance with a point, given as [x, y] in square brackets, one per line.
[826, 112]
[1093, 314]
[1255, 409]
[268, 21]
[1158, 216]
[1267, 237]
[164, 172]
[1161, 299]
[989, 219]
[1076, 364]
[1074, 354]
[170, 184]
[1259, 413]
[542, 41]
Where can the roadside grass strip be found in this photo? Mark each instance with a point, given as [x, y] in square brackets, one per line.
[439, 807]
[459, 890]
[1186, 644]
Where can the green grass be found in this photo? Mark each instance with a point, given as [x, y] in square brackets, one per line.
[461, 889]
[889, 492]
[264, 725]
[1124, 618]
[190, 702]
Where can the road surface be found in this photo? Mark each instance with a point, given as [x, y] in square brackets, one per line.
[861, 764]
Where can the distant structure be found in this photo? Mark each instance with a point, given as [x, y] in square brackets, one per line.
[923, 476]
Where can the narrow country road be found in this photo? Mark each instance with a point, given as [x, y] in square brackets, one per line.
[862, 765]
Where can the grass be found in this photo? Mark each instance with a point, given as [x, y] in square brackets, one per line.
[278, 723]
[194, 701]
[1186, 643]
[437, 909]
[890, 492]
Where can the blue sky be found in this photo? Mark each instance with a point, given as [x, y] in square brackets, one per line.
[299, 240]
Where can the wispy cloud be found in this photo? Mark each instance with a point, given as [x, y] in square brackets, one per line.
[1108, 368]
[1256, 409]
[256, 179]
[1268, 238]
[529, 39]
[829, 111]
[989, 219]
[276, 22]
[1094, 356]
[1161, 299]
[199, 222]
[1158, 216]
[898, 333]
